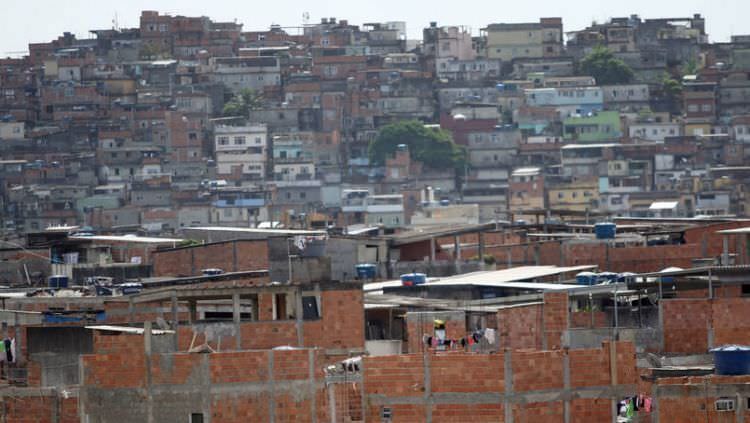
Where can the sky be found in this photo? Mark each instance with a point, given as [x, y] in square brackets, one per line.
[22, 22]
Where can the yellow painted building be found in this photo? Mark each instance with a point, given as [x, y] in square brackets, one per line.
[524, 40]
[576, 196]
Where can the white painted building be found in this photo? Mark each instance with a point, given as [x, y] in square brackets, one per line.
[242, 147]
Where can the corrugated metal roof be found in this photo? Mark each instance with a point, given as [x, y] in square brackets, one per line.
[508, 278]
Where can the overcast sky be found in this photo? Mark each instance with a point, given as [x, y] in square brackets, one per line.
[27, 21]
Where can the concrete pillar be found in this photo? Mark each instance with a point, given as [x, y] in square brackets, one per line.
[236, 318]
[193, 314]
[481, 250]
[613, 362]
[432, 250]
[234, 256]
[175, 315]
[508, 376]
[299, 318]
[566, 385]
[426, 366]
[725, 250]
[147, 337]
[457, 252]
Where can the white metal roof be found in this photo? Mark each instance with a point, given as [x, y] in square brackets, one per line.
[127, 329]
[745, 230]
[507, 278]
[130, 238]
[258, 230]
[663, 205]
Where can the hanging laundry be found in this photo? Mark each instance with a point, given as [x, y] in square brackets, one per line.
[630, 411]
[477, 337]
[489, 335]
[634, 400]
[647, 404]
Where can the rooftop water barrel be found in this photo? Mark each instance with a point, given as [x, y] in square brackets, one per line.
[732, 360]
[366, 271]
[58, 281]
[411, 279]
[131, 288]
[605, 230]
[586, 278]
[607, 277]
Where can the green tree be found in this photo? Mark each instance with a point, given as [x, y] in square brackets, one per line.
[690, 67]
[242, 103]
[672, 92]
[433, 147]
[605, 67]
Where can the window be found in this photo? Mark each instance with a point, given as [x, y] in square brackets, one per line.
[279, 307]
[258, 140]
[196, 418]
[310, 308]
[223, 140]
[302, 195]
[239, 140]
[724, 404]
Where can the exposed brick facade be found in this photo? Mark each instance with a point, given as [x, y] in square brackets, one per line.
[401, 384]
[690, 323]
[231, 256]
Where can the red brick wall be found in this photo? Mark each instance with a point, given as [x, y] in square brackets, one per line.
[391, 380]
[36, 407]
[538, 412]
[688, 320]
[582, 319]
[418, 325]
[226, 368]
[586, 410]
[592, 367]
[250, 255]
[520, 327]
[627, 259]
[537, 370]
[476, 413]
[693, 404]
[342, 325]
[728, 326]
[555, 318]
[476, 373]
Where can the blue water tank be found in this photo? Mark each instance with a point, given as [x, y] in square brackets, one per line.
[586, 278]
[411, 279]
[366, 271]
[58, 281]
[605, 230]
[732, 360]
[131, 288]
[607, 277]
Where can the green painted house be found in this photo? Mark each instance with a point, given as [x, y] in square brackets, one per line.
[597, 127]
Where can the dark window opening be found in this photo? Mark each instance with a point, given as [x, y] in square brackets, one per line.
[310, 308]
